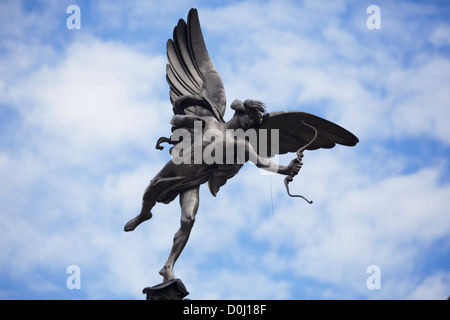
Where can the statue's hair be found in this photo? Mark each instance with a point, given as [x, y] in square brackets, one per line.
[250, 106]
[257, 105]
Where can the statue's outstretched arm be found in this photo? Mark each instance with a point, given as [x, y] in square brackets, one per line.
[269, 165]
[185, 121]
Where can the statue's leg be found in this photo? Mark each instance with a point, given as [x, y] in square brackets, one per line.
[148, 201]
[144, 215]
[189, 201]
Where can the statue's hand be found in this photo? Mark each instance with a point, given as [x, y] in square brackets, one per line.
[294, 168]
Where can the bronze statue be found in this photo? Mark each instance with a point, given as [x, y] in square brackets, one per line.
[199, 130]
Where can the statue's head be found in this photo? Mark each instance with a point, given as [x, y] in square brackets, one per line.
[249, 113]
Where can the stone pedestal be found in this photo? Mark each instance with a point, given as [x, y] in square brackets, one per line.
[170, 290]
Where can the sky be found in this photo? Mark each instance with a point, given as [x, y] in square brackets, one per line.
[81, 111]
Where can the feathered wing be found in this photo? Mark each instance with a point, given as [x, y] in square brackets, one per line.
[195, 85]
[294, 134]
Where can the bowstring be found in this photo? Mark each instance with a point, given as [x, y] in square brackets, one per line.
[271, 196]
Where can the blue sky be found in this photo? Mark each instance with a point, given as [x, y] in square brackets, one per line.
[81, 110]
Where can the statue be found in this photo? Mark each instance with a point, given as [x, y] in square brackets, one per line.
[204, 145]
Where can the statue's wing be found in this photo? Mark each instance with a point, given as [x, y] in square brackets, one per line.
[293, 133]
[195, 85]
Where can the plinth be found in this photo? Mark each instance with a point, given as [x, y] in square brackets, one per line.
[170, 290]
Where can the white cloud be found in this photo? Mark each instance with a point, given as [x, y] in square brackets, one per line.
[355, 222]
[100, 96]
[136, 15]
[434, 287]
[420, 100]
[441, 36]
[237, 285]
[352, 76]
[83, 115]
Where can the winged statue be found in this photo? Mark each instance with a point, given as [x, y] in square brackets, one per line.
[197, 95]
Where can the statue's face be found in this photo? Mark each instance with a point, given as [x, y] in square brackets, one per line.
[247, 120]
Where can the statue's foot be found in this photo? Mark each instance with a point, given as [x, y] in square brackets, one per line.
[167, 273]
[133, 223]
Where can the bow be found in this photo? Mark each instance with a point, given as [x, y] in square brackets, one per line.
[290, 177]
